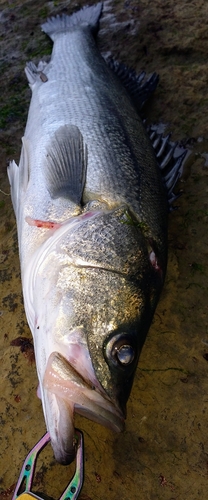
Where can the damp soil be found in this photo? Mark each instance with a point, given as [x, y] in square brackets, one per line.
[163, 453]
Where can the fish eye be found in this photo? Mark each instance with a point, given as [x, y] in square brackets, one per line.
[120, 350]
[125, 354]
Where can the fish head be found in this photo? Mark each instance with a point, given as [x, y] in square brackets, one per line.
[98, 288]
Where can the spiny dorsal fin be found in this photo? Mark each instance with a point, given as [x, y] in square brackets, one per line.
[65, 168]
[170, 157]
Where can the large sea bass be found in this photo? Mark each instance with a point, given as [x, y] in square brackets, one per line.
[91, 213]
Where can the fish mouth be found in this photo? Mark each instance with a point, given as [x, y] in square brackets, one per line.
[66, 392]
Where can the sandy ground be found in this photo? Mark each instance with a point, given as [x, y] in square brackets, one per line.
[163, 454]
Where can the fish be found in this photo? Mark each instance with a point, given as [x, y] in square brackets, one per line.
[92, 216]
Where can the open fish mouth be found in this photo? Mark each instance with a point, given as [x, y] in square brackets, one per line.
[66, 392]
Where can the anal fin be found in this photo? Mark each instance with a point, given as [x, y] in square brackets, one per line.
[36, 73]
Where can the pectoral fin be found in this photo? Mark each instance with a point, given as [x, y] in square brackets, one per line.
[65, 167]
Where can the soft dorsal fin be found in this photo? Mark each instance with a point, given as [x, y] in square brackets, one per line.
[138, 86]
[65, 168]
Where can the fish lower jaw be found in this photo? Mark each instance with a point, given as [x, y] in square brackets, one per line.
[67, 393]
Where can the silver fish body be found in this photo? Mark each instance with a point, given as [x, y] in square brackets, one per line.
[92, 228]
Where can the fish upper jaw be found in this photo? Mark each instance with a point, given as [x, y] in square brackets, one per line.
[64, 392]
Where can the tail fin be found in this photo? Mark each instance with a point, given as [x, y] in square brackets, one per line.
[88, 16]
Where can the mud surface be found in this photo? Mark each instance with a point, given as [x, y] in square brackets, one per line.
[163, 454]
